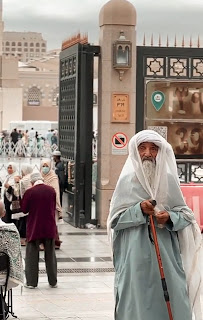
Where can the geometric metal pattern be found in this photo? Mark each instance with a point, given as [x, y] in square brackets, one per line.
[197, 68]
[190, 171]
[178, 68]
[34, 96]
[75, 127]
[68, 67]
[67, 118]
[155, 67]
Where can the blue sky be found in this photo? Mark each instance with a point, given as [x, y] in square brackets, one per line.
[59, 19]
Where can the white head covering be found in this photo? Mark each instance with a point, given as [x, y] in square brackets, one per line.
[13, 165]
[35, 176]
[166, 174]
[10, 180]
[56, 153]
[26, 168]
[46, 161]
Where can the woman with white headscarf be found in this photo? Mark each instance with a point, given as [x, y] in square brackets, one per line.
[21, 185]
[51, 179]
[26, 170]
[6, 190]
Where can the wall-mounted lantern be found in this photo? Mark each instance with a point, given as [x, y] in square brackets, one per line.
[122, 55]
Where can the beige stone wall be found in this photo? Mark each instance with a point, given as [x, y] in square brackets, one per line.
[10, 106]
[9, 72]
[46, 84]
[40, 113]
[24, 45]
[10, 92]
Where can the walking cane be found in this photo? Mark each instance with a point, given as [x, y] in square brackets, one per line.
[161, 270]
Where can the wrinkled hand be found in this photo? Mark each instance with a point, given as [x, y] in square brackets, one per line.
[162, 217]
[147, 207]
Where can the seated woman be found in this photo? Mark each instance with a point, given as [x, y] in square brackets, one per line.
[51, 179]
[10, 244]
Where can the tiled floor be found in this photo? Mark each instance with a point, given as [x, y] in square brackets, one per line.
[79, 296]
[85, 281]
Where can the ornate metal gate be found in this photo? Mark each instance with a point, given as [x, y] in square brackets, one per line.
[75, 127]
[170, 100]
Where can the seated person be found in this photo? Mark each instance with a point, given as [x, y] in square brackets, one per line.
[10, 244]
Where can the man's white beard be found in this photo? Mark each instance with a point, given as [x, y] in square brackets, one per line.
[149, 167]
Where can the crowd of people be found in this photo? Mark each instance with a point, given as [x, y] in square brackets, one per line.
[28, 139]
[31, 205]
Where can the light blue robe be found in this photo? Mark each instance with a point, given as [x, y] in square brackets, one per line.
[138, 289]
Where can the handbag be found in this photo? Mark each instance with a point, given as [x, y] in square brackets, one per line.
[15, 206]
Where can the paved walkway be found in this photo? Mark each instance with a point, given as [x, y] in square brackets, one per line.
[85, 281]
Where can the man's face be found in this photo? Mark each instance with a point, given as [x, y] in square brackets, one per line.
[148, 151]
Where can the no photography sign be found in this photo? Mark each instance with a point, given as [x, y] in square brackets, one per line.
[119, 143]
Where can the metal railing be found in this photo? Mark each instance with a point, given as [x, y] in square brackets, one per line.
[32, 149]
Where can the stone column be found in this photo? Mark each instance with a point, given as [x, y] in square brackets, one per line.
[115, 16]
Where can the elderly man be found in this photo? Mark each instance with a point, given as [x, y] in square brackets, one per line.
[150, 172]
[40, 202]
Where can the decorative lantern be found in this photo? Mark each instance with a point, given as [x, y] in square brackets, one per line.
[122, 55]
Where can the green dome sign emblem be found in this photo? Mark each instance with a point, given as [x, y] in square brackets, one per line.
[158, 99]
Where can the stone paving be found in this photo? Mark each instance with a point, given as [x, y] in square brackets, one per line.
[85, 281]
[82, 296]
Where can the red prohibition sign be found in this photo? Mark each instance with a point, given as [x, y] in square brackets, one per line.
[119, 139]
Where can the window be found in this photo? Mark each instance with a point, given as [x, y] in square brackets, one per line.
[7, 49]
[43, 50]
[13, 49]
[13, 44]
[19, 44]
[25, 44]
[31, 44]
[37, 50]
[37, 44]
[7, 43]
[34, 97]
[43, 44]
[31, 50]
[19, 49]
